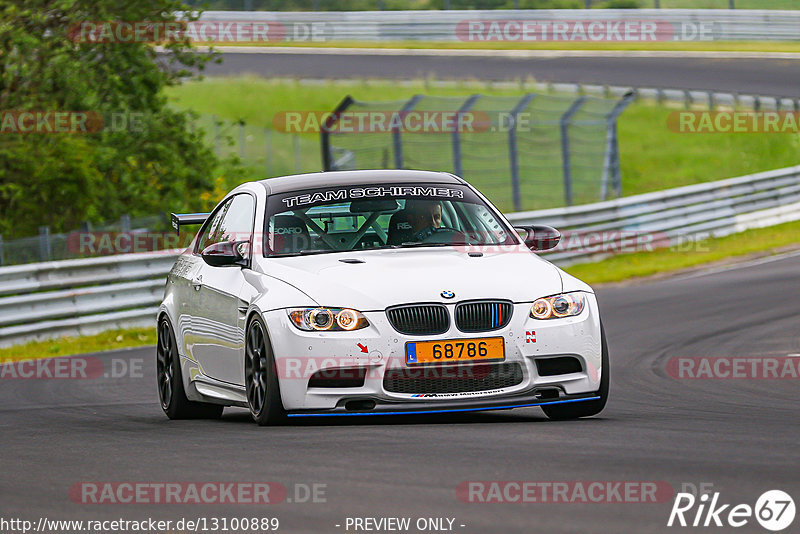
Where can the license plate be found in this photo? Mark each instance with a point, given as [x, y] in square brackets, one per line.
[455, 351]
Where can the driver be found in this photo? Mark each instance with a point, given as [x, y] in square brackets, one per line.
[424, 216]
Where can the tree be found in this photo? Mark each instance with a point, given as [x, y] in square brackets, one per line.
[144, 160]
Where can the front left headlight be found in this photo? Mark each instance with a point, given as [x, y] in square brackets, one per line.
[327, 319]
[558, 306]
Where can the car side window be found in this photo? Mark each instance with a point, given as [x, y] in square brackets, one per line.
[232, 222]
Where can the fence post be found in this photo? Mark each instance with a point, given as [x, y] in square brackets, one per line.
[216, 135]
[44, 243]
[465, 107]
[513, 153]
[565, 154]
[325, 132]
[397, 141]
[125, 223]
[268, 156]
[2, 254]
[611, 158]
[242, 141]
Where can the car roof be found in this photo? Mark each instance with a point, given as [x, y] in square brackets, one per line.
[299, 182]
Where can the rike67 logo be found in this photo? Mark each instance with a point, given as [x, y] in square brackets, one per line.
[774, 510]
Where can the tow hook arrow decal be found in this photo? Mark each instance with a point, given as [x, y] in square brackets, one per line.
[363, 347]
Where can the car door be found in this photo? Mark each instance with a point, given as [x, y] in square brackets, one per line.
[218, 313]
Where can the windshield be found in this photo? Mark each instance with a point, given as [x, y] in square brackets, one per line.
[339, 219]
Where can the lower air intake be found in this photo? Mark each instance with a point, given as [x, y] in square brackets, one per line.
[453, 379]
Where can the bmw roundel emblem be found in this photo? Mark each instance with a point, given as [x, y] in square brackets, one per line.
[448, 294]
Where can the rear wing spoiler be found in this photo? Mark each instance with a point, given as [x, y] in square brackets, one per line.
[183, 219]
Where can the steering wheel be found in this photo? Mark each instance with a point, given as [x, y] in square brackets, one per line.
[431, 234]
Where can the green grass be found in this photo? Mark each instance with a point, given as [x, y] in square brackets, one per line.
[67, 346]
[761, 242]
[653, 157]
[666, 46]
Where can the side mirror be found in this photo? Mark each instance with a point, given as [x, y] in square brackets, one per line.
[225, 254]
[540, 237]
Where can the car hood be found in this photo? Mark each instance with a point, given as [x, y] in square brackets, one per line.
[399, 276]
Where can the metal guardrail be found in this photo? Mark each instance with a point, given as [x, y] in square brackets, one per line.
[719, 24]
[672, 217]
[79, 297]
[87, 296]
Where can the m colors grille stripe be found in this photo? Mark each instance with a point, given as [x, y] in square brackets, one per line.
[483, 316]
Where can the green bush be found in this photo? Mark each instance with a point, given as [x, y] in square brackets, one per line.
[62, 179]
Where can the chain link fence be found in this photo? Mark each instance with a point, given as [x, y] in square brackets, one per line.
[524, 152]
[519, 167]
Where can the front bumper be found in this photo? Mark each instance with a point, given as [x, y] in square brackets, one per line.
[379, 348]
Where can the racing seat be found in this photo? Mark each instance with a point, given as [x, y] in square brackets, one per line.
[399, 229]
[290, 234]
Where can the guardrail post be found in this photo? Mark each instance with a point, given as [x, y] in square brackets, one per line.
[44, 243]
[711, 101]
[513, 153]
[397, 140]
[565, 153]
[465, 107]
[611, 165]
[2, 252]
[687, 95]
[325, 132]
[125, 223]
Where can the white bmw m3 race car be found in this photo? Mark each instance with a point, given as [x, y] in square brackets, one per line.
[373, 292]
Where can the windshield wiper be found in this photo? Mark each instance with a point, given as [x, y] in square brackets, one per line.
[412, 244]
[309, 252]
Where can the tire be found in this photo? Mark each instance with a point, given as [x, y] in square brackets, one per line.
[575, 410]
[171, 394]
[261, 377]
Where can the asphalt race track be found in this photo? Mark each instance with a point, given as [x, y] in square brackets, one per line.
[739, 435]
[761, 76]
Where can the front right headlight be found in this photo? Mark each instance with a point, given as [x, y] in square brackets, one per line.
[327, 319]
[558, 306]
